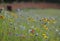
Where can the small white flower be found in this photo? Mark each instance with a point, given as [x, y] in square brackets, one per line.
[30, 30]
[57, 30]
[36, 34]
[32, 26]
[22, 27]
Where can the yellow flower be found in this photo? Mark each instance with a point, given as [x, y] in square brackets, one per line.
[14, 15]
[45, 37]
[52, 21]
[31, 20]
[44, 25]
[9, 20]
[48, 21]
[2, 17]
[44, 19]
[46, 28]
[44, 34]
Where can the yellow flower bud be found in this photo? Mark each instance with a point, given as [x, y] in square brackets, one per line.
[44, 34]
[45, 37]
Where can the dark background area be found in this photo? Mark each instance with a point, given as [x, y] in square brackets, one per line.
[11, 1]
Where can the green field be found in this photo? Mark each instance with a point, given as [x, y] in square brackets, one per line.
[30, 25]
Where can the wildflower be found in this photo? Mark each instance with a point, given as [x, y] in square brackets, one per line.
[48, 22]
[44, 19]
[10, 20]
[45, 37]
[46, 28]
[31, 20]
[52, 20]
[32, 26]
[32, 31]
[44, 25]
[2, 17]
[36, 34]
[57, 30]
[14, 15]
[43, 34]
[29, 30]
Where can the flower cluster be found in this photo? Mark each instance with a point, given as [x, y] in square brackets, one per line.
[27, 28]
